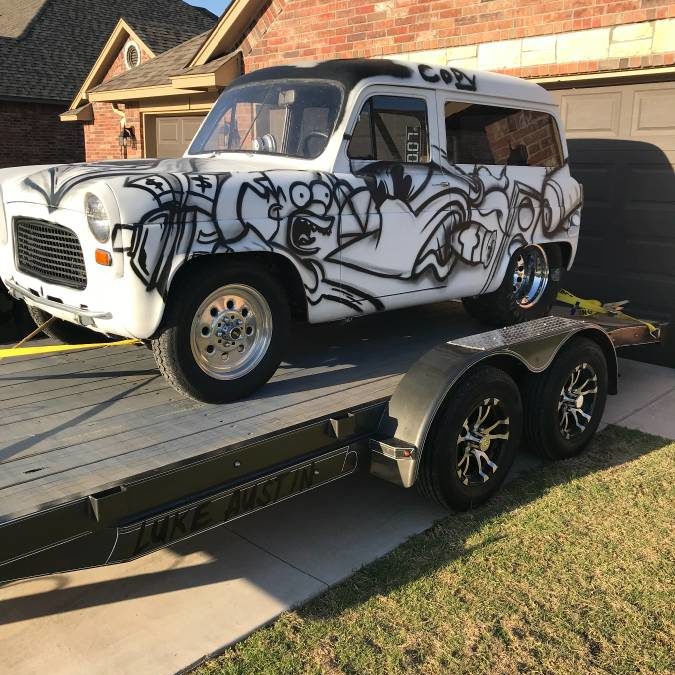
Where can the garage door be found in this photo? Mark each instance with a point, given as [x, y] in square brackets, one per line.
[622, 149]
[174, 134]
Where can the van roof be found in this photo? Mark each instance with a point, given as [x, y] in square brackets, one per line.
[352, 72]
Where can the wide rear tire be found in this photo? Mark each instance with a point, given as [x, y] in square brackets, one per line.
[528, 291]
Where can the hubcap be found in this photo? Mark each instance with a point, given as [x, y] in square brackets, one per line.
[577, 401]
[479, 444]
[231, 332]
[530, 276]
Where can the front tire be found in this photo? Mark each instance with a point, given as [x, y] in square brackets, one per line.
[528, 291]
[224, 333]
[64, 331]
[474, 441]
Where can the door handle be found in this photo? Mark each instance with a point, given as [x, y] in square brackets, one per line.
[443, 183]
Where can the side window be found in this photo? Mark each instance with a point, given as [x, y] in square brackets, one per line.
[483, 134]
[391, 129]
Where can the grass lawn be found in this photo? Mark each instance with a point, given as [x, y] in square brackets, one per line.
[569, 569]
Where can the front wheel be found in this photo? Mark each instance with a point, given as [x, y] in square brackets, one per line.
[528, 291]
[224, 333]
[474, 441]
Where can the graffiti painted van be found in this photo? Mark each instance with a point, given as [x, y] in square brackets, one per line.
[320, 192]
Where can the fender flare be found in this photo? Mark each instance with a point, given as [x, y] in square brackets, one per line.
[426, 386]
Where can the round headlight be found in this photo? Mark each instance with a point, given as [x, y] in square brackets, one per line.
[97, 217]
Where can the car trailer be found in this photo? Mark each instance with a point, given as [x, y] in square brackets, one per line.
[100, 464]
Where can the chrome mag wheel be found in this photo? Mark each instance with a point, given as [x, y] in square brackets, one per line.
[530, 276]
[577, 401]
[231, 332]
[483, 435]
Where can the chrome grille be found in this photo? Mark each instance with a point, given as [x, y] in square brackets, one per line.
[49, 252]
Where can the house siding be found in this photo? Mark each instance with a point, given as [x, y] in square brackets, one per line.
[33, 134]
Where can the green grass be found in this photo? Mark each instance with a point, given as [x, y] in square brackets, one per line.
[569, 569]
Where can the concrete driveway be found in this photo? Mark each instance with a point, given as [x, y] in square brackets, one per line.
[165, 612]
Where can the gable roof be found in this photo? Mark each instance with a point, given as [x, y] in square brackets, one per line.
[49, 46]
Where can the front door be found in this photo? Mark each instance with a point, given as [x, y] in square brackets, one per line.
[388, 211]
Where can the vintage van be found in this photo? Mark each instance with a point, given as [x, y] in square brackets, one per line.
[319, 191]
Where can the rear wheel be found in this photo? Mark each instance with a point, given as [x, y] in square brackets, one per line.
[527, 292]
[64, 331]
[565, 403]
[474, 441]
[224, 333]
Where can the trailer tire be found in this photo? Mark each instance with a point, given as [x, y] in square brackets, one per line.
[64, 331]
[556, 404]
[508, 304]
[450, 472]
[225, 303]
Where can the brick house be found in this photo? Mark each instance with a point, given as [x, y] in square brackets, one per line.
[46, 49]
[609, 63]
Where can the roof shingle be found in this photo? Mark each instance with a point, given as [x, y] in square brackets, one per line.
[57, 41]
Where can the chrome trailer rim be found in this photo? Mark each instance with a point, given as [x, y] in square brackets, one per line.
[484, 433]
[231, 332]
[577, 401]
[530, 276]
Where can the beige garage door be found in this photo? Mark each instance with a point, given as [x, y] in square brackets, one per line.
[174, 134]
[622, 148]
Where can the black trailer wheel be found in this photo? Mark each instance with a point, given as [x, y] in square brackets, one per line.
[565, 403]
[66, 332]
[473, 441]
[224, 332]
[528, 291]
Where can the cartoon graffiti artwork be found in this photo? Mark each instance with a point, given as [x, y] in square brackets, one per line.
[328, 223]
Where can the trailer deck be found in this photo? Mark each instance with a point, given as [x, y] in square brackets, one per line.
[78, 423]
[96, 447]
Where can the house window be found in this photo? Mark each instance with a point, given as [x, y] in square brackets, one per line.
[391, 129]
[483, 134]
[132, 55]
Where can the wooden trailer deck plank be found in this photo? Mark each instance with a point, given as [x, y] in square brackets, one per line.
[72, 426]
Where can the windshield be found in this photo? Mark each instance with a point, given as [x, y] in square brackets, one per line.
[285, 117]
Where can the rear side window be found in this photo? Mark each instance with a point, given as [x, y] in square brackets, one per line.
[483, 134]
[391, 129]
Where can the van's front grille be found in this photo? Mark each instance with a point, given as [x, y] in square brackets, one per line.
[49, 252]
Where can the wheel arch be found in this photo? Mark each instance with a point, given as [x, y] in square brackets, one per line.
[279, 265]
[427, 387]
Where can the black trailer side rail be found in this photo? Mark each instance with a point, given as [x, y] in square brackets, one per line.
[154, 509]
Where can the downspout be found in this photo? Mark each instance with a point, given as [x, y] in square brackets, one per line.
[123, 125]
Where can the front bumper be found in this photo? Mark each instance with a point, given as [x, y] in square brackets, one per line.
[85, 317]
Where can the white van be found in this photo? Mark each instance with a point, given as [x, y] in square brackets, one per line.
[323, 191]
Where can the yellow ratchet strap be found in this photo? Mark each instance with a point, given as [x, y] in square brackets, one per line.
[20, 350]
[590, 307]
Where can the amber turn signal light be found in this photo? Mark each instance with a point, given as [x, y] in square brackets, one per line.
[103, 257]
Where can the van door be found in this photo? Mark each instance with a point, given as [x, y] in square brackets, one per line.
[499, 162]
[386, 217]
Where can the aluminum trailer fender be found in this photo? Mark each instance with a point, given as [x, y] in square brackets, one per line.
[396, 454]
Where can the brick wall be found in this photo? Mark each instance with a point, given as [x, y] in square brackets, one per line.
[101, 136]
[291, 30]
[31, 133]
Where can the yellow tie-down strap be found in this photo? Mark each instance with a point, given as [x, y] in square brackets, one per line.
[590, 307]
[51, 349]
